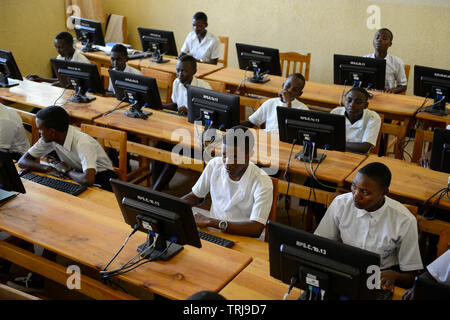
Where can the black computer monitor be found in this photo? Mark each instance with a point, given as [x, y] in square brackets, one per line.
[169, 217]
[214, 109]
[359, 71]
[260, 60]
[158, 42]
[88, 32]
[339, 269]
[141, 91]
[434, 84]
[313, 130]
[83, 77]
[427, 288]
[8, 69]
[440, 151]
[9, 178]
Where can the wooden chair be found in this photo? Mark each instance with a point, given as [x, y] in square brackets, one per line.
[407, 68]
[303, 62]
[124, 28]
[376, 149]
[164, 80]
[105, 75]
[8, 293]
[29, 118]
[111, 138]
[253, 103]
[395, 130]
[224, 61]
[273, 209]
[421, 137]
[217, 86]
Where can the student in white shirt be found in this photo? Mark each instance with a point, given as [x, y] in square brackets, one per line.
[200, 43]
[366, 218]
[64, 46]
[395, 70]
[119, 58]
[82, 158]
[13, 138]
[288, 97]
[361, 124]
[241, 193]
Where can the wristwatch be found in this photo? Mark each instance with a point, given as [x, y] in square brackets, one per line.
[223, 225]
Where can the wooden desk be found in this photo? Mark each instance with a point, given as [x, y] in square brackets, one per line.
[84, 232]
[432, 120]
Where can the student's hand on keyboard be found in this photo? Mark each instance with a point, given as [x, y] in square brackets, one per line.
[183, 110]
[54, 172]
[201, 220]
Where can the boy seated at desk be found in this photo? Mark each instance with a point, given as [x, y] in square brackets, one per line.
[64, 46]
[13, 138]
[288, 97]
[241, 193]
[201, 44]
[368, 219]
[395, 69]
[82, 157]
[361, 124]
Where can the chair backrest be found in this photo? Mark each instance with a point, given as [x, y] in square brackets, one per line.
[217, 86]
[273, 209]
[29, 118]
[105, 75]
[300, 63]
[111, 138]
[407, 68]
[420, 138]
[375, 149]
[164, 80]
[224, 61]
[8, 293]
[113, 22]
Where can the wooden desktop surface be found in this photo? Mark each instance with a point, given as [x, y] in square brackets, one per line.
[84, 231]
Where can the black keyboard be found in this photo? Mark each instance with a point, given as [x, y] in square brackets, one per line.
[215, 239]
[64, 186]
[385, 294]
[139, 55]
[174, 113]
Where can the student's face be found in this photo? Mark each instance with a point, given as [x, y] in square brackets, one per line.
[382, 40]
[63, 48]
[355, 103]
[367, 193]
[294, 86]
[235, 163]
[199, 26]
[185, 72]
[118, 61]
[47, 134]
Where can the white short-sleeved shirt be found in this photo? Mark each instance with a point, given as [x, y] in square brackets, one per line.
[127, 69]
[267, 113]
[77, 57]
[365, 129]
[80, 151]
[390, 231]
[440, 268]
[12, 133]
[395, 71]
[207, 50]
[448, 127]
[250, 198]
[179, 91]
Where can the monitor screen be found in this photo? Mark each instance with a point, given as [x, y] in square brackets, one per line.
[9, 178]
[88, 32]
[83, 77]
[141, 91]
[214, 109]
[359, 71]
[304, 127]
[159, 42]
[168, 217]
[434, 84]
[440, 151]
[260, 60]
[339, 269]
[8, 69]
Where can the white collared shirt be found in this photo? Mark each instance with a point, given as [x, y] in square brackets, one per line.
[127, 69]
[390, 231]
[395, 71]
[440, 268]
[77, 57]
[267, 113]
[250, 198]
[179, 91]
[12, 133]
[207, 50]
[365, 129]
[80, 151]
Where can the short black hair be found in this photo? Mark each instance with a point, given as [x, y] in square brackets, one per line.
[120, 48]
[298, 76]
[188, 58]
[235, 135]
[388, 31]
[65, 36]
[54, 117]
[201, 16]
[206, 295]
[360, 90]
[378, 172]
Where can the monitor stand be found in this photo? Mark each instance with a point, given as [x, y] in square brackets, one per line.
[158, 57]
[5, 82]
[135, 112]
[80, 97]
[306, 154]
[439, 109]
[164, 250]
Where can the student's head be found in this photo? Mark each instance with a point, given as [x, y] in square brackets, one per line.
[186, 69]
[237, 148]
[199, 23]
[64, 44]
[52, 122]
[370, 185]
[294, 84]
[383, 39]
[119, 57]
[356, 100]
[206, 295]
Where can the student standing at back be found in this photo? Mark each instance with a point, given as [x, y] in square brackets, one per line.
[395, 69]
[200, 43]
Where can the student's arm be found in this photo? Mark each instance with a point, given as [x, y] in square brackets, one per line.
[358, 147]
[398, 89]
[213, 61]
[247, 123]
[192, 199]
[243, 228]
[389, 278]
[86, 178]
[27, 161]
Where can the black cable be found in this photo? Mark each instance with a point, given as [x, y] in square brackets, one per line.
[115, 108]
[135, 228]
[67, 87]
